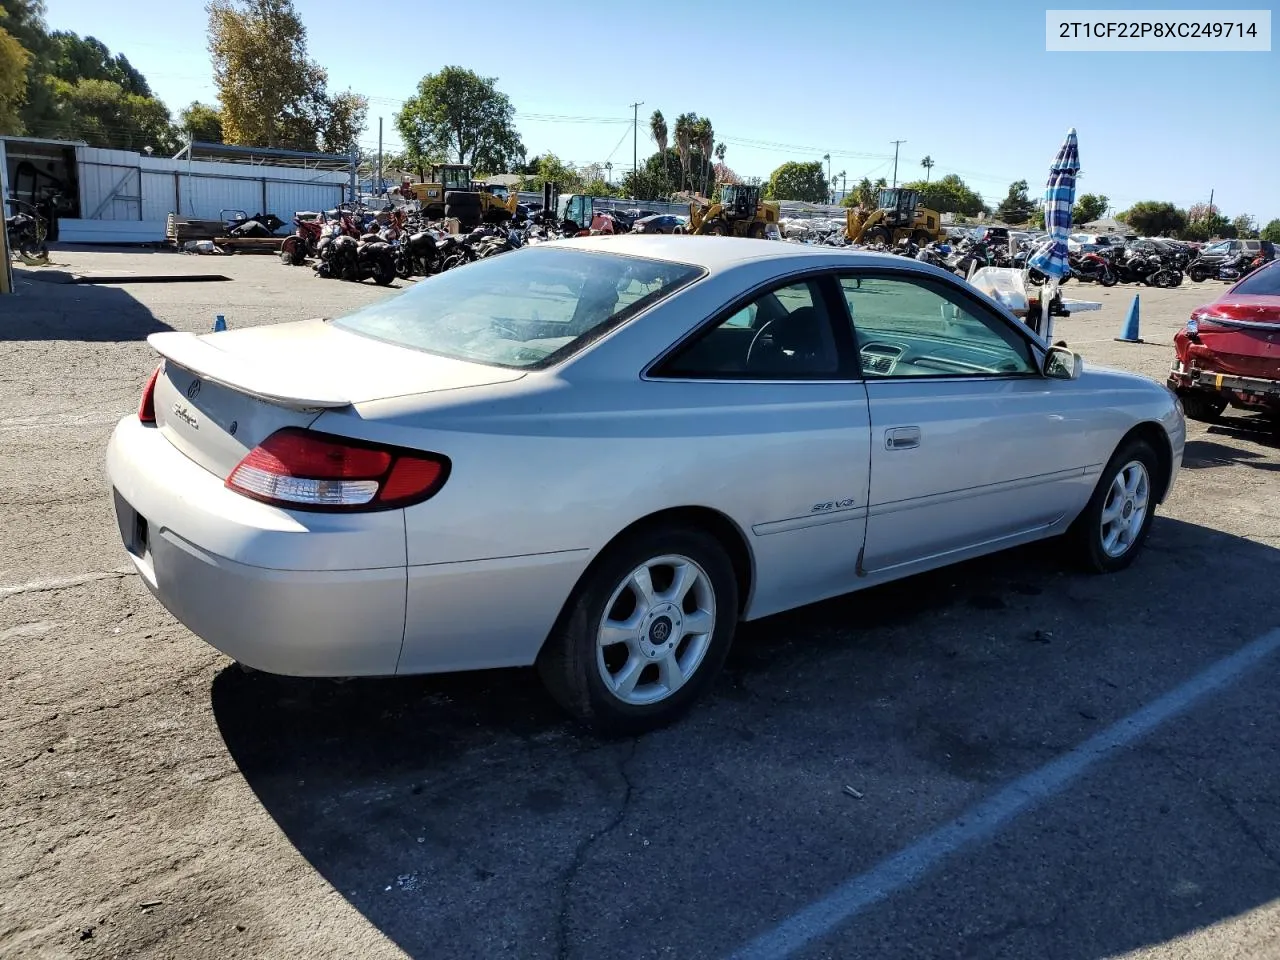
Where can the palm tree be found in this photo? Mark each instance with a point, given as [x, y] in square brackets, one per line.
[684, 143]
[927, 163]
[658, 127]
[704, 141]
[720, 151]
[844, 180]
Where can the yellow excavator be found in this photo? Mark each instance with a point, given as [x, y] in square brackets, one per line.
[739, 213]
[452, 193]
[898, 214]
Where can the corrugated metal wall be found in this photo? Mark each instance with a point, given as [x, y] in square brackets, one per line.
[120, 185]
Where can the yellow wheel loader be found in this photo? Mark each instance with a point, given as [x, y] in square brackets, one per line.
[739, 213]
[452, 193]
[898, 214]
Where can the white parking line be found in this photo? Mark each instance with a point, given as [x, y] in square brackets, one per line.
[978, 823]
[61, 583]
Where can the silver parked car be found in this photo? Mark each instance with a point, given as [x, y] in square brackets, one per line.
[599, 455]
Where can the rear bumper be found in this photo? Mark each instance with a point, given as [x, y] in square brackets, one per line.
[262, 585]
[320, 595]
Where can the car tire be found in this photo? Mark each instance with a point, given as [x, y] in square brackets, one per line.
[1107, 537]
[574, 662]
[1202, 408]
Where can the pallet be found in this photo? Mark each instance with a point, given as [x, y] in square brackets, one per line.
[249, 244]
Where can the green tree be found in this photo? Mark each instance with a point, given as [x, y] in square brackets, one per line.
[1089, 207]
[14, 59]
[1244, 227]
[949, 194]
[203, 121]
[1271, 231]
[73, 58]
[464, 116]
[928, 163]
[549, 168]
[23, 20]
[100, 112]
[272, 94]
[1016, 206]
[653, 180]
[1154, 218]
[798, 181]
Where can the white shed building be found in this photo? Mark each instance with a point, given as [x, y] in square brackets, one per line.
[118, 196]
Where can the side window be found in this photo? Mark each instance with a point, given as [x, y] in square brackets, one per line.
[909, 328]
[784, 334]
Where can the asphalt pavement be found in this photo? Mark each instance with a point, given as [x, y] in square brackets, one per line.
[1006, 759]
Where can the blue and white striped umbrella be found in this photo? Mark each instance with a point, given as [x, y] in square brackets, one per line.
[1059, 197]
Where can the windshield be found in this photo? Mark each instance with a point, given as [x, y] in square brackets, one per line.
[1263, 283]
[528, 308]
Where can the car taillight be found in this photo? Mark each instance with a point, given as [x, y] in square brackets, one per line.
[147, 405]
[304, 470]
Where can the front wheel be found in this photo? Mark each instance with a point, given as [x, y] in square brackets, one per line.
[1107, 277]
[645, 631]
[1198, 274]
[1109, 533]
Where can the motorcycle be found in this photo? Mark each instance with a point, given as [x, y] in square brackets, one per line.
[1090, 267]
[417, 255]
[303, 242]
[345, 258]
[1239, 265]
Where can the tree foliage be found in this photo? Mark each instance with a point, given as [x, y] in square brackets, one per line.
[795, 180]
[463, 116]
[73, 58]
[1152, 218]
[14, 59]
[102, 112]
[1016, 206]
[203, 121]
[1089, 207]
[73, 87]
[272, 94]
[1243, 225]
[948, 194]
[1271, 231]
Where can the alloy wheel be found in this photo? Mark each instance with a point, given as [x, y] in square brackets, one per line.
[1125, 509]
[656, 629]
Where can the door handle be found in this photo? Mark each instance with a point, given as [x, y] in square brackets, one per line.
[901, 438]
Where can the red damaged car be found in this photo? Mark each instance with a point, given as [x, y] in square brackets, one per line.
[1229, 352]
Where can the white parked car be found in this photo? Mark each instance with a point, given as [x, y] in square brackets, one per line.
[599, 455]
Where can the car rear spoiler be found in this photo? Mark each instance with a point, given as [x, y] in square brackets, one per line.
[285, 388]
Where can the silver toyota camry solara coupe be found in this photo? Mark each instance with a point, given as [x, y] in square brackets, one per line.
[599, 455]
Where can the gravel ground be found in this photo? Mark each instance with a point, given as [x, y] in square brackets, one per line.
[157, 802]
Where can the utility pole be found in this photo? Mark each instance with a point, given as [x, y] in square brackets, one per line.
[827, 157]
[635, 139]
[896, 144]
[377, 190]
[1211, 201]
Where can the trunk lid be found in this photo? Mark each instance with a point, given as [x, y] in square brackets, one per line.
[222, 394]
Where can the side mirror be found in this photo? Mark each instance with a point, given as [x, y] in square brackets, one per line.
[1062, 364]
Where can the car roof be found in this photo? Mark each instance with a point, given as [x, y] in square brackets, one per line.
[719, 253]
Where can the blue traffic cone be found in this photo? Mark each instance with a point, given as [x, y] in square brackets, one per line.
[1130, 332]
[219, 323]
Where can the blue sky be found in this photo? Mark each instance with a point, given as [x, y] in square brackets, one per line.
[975, 89]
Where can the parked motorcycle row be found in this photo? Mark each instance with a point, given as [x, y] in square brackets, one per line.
[1136, 263]
[354, 244]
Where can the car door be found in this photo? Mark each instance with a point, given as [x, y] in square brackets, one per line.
[773, 387]
[972, 447]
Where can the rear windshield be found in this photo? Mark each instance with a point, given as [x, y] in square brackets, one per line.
[528, 308]
[1262, 283]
